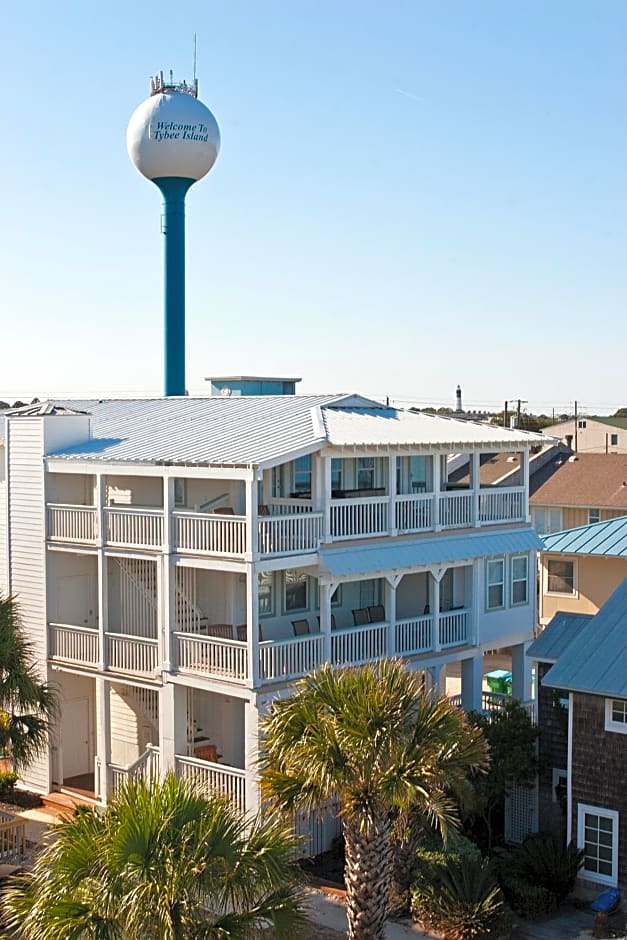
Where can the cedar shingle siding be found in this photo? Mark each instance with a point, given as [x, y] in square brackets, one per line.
[553, 752]
[599, 768]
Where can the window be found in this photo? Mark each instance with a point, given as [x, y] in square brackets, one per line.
[546, 521]
[616, 715]
[370, 593]
[296, 596]
[519, 580]
[597, 835]
[495, 583]
[614, 440]
[337, 474]
[266, 593]
[302, 476]
[365, 473]
[560, 784]
[560, 576]
[180, 492]
[581, 424]
[594, 515]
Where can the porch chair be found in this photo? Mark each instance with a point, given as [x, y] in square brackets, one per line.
[224, 511]
[301, 627]
[333, 623]
[376, 613]
[242, 632]
[263, 510]
[360, 616]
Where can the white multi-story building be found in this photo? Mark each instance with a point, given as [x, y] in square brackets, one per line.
[179, 562]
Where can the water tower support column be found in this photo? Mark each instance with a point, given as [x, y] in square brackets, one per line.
[174, 189]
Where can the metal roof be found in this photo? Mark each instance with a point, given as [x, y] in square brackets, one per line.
[413, 553]
[596, 660]
[598, 538]
[347, 427]
[257, 430]
[557, 636]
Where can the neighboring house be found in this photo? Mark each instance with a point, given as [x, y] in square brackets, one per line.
[179, 562]
[579, 568]
[573, 491]
[582, 716]
[592, 435]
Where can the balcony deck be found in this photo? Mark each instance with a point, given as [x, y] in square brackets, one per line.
[279, 660]
[291, 528]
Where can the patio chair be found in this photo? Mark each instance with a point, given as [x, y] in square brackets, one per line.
[224, 511]
[333, 623]
[242, 632]
[301, 627]
[427, 610]
[360, 616]
[263, 510]
[376, 613]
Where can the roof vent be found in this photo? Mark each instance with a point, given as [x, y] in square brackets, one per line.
[512, 458]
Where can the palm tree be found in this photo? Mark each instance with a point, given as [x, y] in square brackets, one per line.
[373, 739]
[160, 862]
[27, 704]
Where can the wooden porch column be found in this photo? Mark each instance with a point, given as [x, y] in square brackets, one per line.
[252, 620]
[326, 592]
[103, 736]
[437, 483]
[392, 529]
[475, 481]
[391, 583]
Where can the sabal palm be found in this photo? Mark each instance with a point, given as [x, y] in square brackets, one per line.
[27, 704]
[371, 737]
[162, 862]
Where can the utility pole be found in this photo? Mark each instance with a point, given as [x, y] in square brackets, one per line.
[520, 401]
[576, 429]
[505, 414]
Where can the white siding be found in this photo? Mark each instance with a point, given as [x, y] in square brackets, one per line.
[4, 561]
[27, 534]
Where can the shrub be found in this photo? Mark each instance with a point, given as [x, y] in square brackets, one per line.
[464, 901]
[544, 860]
[529, 900]
[432, 856]
[7, 784]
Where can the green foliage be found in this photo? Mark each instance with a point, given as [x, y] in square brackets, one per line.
[462, 902]
[160, 862]
[432, 856]
[27, 704]
[8, 779]
[528, 900]
[544, 860]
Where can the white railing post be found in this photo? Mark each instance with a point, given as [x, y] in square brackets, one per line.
[252, 620]
[437, 484]
[435, 606]
[392, 529]
[103, 733]
[326, 499]
[326, 591]
[252, 536]
[475, 480]
[166, 581]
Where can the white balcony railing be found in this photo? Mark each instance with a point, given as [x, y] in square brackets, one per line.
[71, 644]
[132, 654]
[352, 518]
[71, 523]
[359, 644]
[456, 510]
[209, 534]
[215, 779]
[501, 504]
[130, 526]
[414, 635]
[211, 656]
[453, 627]
[145, 767]
[414, 513]
[288, 659]
[290, 534]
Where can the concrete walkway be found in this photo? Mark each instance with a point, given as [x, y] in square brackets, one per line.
[329, 911]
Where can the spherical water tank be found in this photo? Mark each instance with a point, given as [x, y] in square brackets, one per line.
[172, 133]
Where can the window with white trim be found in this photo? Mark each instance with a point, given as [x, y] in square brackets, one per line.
[594, 515]
[616, 715]
[546, 520]
[597, 835]
[519, 580]
[365, 473]
[265, 591]
[495, 583]
[296, 591]
[302, 476]
[337, 474]
[560, 576]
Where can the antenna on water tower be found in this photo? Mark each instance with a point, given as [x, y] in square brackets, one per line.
[173, 139]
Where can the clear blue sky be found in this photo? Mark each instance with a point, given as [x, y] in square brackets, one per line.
[409, 195]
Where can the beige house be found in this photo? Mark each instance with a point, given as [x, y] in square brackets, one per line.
[592, 435]
[568, 492]
[582, 567]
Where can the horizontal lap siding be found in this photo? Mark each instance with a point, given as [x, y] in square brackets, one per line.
[27, 534]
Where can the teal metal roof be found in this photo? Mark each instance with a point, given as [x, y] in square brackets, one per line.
[596, 660]
[414, 553]
[599, 538]
[557, 636]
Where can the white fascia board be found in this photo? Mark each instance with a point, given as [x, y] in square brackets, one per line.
[284, 562]
[74, 549]
[450, 447]
[210, 563]
[290, 455]
[230, 689]
[149, 469]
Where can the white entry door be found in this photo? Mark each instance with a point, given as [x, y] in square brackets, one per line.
[75, 737]
[76, 600]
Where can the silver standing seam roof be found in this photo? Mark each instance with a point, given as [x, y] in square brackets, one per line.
[255, 430]
[595, 662]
